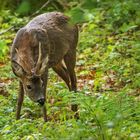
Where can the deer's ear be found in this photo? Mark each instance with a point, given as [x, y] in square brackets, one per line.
[18, 69]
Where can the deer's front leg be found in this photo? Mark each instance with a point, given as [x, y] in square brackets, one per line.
[44, 110]
[44, 113]
[20, 100]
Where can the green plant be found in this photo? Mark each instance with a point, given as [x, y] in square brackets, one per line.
[107, 72]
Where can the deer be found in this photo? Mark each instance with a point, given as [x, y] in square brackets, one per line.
[48, 41]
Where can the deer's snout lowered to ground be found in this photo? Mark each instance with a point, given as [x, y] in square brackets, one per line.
[47, 41]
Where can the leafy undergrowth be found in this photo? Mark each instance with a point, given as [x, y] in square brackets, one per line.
[108, 85]
[103, 115]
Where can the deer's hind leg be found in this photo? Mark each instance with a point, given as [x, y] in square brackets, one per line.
[63, 73]
[70, 61]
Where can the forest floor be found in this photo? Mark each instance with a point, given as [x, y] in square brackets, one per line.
[108, 90]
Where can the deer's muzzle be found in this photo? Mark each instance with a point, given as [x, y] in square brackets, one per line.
[41, 101]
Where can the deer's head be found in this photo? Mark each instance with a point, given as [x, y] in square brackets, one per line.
[31, 70]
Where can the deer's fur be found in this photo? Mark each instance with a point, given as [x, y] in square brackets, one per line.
[47, 41]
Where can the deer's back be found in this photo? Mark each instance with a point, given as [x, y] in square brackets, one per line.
[54, 32]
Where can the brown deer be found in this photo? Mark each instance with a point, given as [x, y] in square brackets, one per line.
[47, 41]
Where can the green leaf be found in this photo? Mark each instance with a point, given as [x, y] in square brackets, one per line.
[24, 7]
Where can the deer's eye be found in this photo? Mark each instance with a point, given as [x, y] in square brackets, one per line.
[29, 87]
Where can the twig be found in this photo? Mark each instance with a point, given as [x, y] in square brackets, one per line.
[6, 30]
[43, 6]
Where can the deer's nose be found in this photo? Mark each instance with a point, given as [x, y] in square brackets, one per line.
[41, 101]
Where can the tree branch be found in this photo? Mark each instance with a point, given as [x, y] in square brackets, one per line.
[3, 32]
